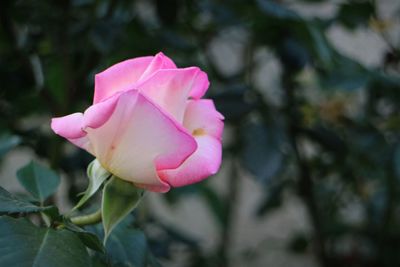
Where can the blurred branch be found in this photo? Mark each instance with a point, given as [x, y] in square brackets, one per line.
[305, 182]
[111, 8]
[385, 231]
[231, 205]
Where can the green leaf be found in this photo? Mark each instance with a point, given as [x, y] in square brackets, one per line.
[119, 199]
[319, 44]
[356, 13]
[262, 154]
[24, 245]
[89, 239]
[97, 175]
[128, 247]
[276, 10]
[98, 262]
[53, 214]
[152, 261]
[8, 142]
[38, 180]
[346, 74]
[396, 161]
[11, 204]
[232, 102]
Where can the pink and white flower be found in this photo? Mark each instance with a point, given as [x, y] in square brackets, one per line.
[149, 125]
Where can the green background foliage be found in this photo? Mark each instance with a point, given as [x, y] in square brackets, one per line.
[50, 51]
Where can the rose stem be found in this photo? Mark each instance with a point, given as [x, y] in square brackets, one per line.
[91, 218]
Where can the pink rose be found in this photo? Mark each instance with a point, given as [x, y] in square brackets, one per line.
[149, 125]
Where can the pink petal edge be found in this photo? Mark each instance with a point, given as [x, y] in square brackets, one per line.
[204, 162]
[205, 122]
[119, 76]
[124, 75]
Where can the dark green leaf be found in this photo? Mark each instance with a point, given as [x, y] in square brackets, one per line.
[356, 13]
[273, 9]
[89, 239]
[319, 44]
[24, 245]
[128, 247]
[8, 142]
[262, 153]
[345, 74]
[396, 162]
[38, 180]
[53, 213]
[152, 261]
[98, 262]
[11, 204]
[232, 102]
[119, 199]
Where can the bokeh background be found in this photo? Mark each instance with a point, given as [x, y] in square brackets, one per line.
[310, 91]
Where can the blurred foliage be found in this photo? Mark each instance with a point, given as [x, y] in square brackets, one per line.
[332, 138]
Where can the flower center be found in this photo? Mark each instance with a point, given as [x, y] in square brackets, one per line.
[198, 132]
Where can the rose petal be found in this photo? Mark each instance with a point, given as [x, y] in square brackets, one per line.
[69, 126]
[119, 76]
[205, 123]
[205, 161]
[83, 143]
[124, 75]
[201, 86]
[98, 114]
[72, 127]
[201, 114]
[160, 61]
[139, 137]
[170, 88]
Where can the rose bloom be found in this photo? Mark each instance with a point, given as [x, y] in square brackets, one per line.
[148, 124]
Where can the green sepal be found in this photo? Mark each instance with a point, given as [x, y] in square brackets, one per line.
[119, 199]
[97, 175]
